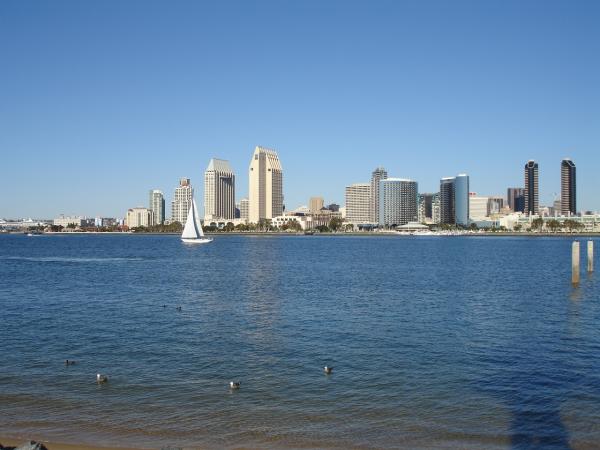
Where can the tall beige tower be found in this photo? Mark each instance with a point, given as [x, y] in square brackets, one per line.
[265, 192]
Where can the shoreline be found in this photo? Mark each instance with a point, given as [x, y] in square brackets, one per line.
[328, 234]
[52, 445]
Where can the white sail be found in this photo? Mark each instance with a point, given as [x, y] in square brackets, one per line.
[190, 231]
[197, 220]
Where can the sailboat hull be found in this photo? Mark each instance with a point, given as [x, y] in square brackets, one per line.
[196, 241]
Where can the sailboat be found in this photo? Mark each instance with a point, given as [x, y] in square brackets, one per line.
[192, 232]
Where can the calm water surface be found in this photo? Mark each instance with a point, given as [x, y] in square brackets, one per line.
[436, 342]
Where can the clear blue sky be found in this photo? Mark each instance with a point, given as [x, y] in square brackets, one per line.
[102, 101]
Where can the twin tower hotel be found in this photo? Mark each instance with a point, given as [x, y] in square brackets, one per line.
[265, 190]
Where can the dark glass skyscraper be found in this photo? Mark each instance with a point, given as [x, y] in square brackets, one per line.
[568, 188]
[532, 205]
[447, 200]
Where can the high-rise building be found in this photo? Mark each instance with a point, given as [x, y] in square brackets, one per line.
[378, 174]
[265, 185]
[139, 217]
[358, 203]
[157, 205]
[568, 188]
[461, 200]
[244, 209]
[447, 200]
[516, 199]
[397, 202]
[426, 207]
[182, 200]
[531, 191]
[333, 207]
[495, 205]
[219, 191]
[315, 204]
[478, 207]
[454, 200]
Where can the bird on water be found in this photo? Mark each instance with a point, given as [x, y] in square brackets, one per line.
[234, 384]
[69, 362]
[327, 369]
[101, 378]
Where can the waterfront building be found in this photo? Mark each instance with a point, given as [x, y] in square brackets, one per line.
[182, 200]
[333, 207]
[531, 191]
[244, 209]
[435, 208]
[516, 199]
[156, 204]
[358, 203]
[376, 176]
[265, 194]
[478, 207]
[461, 200]
[495, 206]
[74, 221]
[447, 200]
[397, 202]
[139, 217]
[568, 188]
[315, 204]
[454, 200]
[426, 207]
[219, 191]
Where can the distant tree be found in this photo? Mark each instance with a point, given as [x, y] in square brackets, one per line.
[553, 225]
[349, 227]
[573, 225]
[518, 227]
[335, 223]
[473, 226]
[229, 226]
[537, 224]
[71, 226]
[323, 229]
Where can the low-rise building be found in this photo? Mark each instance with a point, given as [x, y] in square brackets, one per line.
[139, 217]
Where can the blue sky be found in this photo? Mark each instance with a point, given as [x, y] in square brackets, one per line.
[102, 101]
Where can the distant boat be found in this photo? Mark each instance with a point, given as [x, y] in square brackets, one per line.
[192, 232]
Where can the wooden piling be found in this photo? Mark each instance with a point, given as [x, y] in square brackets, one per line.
[590, 255]
[575, 263]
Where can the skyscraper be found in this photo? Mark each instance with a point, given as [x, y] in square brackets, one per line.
[447, 200]
[397, 202]
[531, 193]
[219, 191]
[568, 188]
[358, 203]
[516, 199]
[182, 200]
[265, 185]
[156, 204]
[454, 200]
[461, 200]
[378, 174]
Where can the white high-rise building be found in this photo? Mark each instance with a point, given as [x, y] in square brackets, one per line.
[219, 191]
[244, 209]
[397, 202]
[478, 207]
[265, 194]
[157, 205]
[182, 200]
[378, 174]
[358, 203]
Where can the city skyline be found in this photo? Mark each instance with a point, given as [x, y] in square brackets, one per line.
[93, 116]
